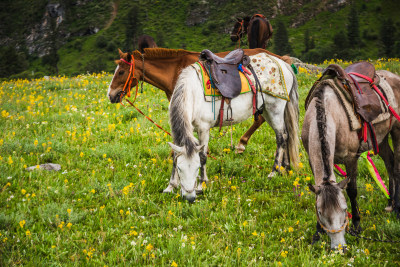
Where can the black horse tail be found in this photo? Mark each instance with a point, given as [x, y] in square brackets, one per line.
[254, 34]
[322, 132]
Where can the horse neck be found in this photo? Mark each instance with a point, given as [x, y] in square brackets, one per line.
[325, 134]
[181, 112]
[163, 72]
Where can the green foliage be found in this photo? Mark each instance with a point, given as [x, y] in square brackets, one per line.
[194, 25]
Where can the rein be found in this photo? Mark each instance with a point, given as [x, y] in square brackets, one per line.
[127, 90]
[240, 32]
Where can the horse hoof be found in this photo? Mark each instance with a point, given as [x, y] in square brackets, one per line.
[356, 229]
[316, 237]
[389, 209]
[271, 175]
[240, 148]
[199, 189]
[169, 189]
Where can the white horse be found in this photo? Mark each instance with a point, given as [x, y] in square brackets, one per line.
[189, 111]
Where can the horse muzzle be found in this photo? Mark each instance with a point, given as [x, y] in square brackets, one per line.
[117, 97]
[234, 38]
[190, 197]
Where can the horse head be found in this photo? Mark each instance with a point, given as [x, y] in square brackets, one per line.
[331, 209]
[239, 29]
[187, 168]
[124, 78]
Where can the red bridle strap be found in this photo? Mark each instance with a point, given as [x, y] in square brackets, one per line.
[126, 61]
[131, 76]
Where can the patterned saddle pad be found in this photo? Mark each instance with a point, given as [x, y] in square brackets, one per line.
[267, 69]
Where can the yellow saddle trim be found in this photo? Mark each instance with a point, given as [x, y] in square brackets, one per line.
[209, 91]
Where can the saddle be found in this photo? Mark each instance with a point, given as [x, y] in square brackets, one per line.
[366, 102]
[224, 71]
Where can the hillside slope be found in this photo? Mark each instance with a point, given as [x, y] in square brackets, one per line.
[72, 37]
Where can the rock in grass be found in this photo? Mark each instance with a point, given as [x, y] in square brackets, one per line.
[46, 166]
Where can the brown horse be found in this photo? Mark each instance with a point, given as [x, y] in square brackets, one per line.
[329, 140]
[161, 67]
[258, 29]
[146, 41]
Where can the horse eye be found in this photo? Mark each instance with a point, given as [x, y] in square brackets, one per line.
[121, 72]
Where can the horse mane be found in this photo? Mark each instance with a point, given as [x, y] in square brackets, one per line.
[321, 124]
[181, 126]
[159, 52]
[329, 195]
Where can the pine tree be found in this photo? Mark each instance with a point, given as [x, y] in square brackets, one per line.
[306, 41]
[340, 45]
[353, 29]
[132, 31]
[387, 36]
[281, 40]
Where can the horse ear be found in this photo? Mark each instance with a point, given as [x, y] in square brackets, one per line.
[175, 148]
[121, 54]
[343, 183]
[199, 148]
[239, 19]
[314, 188]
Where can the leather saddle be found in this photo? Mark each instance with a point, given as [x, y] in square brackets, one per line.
[366, 102]
[224, 72]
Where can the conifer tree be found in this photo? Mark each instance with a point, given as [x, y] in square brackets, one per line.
[132, 28]
[281, 40]
[306, 41]
[353, 29]
[387, 36]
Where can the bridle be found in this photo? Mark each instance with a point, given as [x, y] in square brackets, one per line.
[343, 227]
[131, 76]
[240, 31]
[182, 186]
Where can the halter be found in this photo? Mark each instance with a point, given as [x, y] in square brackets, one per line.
[240, 31]
[127, 87]
[195, 183]
[346, 223]
[128, 84]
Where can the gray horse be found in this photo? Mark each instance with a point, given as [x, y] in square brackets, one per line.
[329, 140]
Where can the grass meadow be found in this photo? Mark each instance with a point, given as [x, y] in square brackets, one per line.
[105, 206]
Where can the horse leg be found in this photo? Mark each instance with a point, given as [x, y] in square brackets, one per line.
[351, 168]
[173, 181]
[245, 138]
[386, 154]
[277, 122]
[316, 236]
[395, 133]
[204, 137]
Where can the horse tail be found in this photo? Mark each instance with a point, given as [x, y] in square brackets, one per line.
[321, 125]
[253, 34]
[291, 116]
[180, 114]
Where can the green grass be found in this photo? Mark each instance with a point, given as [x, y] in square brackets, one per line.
[105, 206]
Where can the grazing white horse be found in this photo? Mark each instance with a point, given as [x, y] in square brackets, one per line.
[190, 112]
